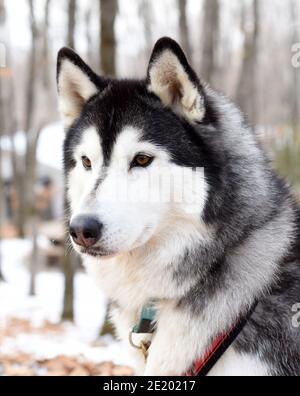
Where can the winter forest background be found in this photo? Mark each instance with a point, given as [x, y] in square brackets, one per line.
[51, 314]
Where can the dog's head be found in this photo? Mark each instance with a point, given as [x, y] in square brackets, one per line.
[133, 156]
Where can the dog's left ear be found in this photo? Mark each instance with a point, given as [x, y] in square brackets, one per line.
[76, 83]
[171, 78]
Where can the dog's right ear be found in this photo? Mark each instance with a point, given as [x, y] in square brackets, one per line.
[172, 79]
[76, 83]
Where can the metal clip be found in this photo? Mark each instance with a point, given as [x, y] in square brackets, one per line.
[143, 347]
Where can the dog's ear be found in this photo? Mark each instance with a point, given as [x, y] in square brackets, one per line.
[76, 83]
[171, 78]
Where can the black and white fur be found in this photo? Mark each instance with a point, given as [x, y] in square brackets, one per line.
[204, 268]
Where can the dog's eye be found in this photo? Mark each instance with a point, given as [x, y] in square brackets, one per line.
[142, 161]
[86, 162]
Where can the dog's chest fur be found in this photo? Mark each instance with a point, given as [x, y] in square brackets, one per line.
[132, 281]
[130, 285]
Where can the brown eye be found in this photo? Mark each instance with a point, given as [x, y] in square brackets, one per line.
[142, 160]
[86, 162]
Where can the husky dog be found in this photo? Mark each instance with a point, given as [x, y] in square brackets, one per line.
[204, 265]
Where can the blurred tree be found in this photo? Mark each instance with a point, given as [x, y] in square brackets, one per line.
[210, 39]
[108, 13]
[2, 129]
[1, 200]
[88, 35]
[32, 134]
[183, 26]
[247, 86]
[32, 71]
[295, 80]
[34, 122]
[8, 118]
[1, 213]
[45, 49]
[69, 260]
[2, 117]
[26, 174]
[2, 14]
[145, 13]
[72, 6]
[69, 268]
[92, 41]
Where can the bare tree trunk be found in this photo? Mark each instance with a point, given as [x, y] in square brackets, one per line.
[1, 195]
[30, 91]
[34, 256]
[8, 124]
[71, 23]
[7, 102]
[27, 182]
[1, 206]
[87, 20]
[2, 11]
[24, 189]
[69, 268]
[69, 259]
[295, 88]
[2, 128]
[28, 201]
[30, 165]
[13, 156]
[210, 38]
[108, 13]
[183, 26]
[45, 50]
[247, 87]
[1, 175]
[109, 9]
[145, 12]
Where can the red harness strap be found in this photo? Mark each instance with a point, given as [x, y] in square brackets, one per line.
[200, 364]
[202, 367]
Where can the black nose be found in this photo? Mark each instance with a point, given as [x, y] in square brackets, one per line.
[85, 231]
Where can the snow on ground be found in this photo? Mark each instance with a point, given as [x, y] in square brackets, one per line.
[76, 339]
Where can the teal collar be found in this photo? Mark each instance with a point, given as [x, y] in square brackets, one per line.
[146, 321]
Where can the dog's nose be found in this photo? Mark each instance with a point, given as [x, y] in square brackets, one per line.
[85, 231]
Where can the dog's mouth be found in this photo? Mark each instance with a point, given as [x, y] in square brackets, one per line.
[96, 252]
